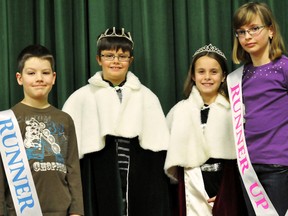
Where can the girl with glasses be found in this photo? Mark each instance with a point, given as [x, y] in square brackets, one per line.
[263, 81]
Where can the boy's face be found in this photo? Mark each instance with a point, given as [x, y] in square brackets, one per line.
[114, 70]
[37, 79]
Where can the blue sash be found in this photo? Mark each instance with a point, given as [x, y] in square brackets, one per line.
[17, 167]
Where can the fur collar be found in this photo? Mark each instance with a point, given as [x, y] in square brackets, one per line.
[97, 112]
[191, 147]
[132, 81]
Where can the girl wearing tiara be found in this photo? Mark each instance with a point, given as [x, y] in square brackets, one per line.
[201, 144]
[122, 136]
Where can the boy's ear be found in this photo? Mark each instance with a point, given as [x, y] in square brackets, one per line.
[19, 78]
[98, 60]
[54, 75]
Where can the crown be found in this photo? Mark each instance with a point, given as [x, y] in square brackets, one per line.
[210, 48]
[114, 34]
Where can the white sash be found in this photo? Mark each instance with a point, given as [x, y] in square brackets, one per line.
[16, 166]
[258, 197]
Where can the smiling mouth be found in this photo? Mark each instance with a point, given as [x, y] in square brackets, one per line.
[40, 86]
[207, 84]
[117, 68]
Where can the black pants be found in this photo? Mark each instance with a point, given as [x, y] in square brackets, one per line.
[274, 179]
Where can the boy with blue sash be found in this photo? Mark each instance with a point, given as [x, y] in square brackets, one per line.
[38, 146]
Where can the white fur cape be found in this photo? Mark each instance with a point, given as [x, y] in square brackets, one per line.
[189, 147]
[97, 112]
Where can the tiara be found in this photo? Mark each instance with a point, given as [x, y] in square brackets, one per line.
[210, 48]
[114, 34]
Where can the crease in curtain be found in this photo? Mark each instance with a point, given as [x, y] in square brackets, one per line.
[166, 34]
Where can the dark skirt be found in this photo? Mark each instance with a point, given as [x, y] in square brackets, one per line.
[229, 200]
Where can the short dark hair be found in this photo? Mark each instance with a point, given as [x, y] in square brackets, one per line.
[114, 43]
[35, 50]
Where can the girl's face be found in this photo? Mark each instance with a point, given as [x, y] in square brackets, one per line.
[257, 45]
[37, 78]
[114, 65]
[208, 77]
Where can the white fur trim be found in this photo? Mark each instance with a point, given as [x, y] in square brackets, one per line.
[97, 112]
[189, 147]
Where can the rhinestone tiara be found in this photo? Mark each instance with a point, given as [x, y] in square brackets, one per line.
[210, 48]
[114, 34]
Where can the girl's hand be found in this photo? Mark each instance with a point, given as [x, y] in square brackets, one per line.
[212, 199]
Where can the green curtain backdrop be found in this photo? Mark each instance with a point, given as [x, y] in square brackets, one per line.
[166, 34]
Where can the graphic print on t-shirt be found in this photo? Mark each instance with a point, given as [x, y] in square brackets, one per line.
[40, 142]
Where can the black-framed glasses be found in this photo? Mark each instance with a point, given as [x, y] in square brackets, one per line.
[111, 57]
[240, 33]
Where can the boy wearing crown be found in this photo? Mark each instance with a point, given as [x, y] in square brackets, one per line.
[122, 136]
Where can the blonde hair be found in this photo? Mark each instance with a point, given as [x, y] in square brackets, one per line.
[245, 15]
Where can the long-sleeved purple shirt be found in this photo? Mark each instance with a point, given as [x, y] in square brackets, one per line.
[265, 95]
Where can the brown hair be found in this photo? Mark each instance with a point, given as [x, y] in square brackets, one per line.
[36, 50]
[189, 82]
[245, 15]
[115, 43]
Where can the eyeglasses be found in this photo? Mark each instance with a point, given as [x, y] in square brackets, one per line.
[111, 57]
[252, 31]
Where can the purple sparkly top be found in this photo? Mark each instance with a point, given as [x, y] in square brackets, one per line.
[265, 95]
